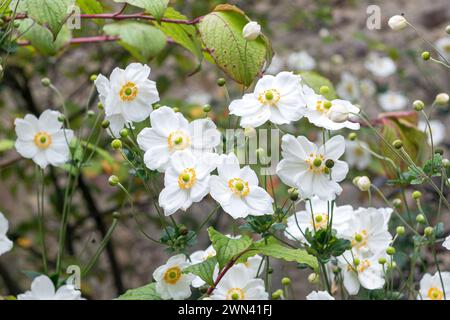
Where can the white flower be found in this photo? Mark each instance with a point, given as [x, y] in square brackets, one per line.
[128, 95]
[367, 87]
[324, 113]
[301, 61]
[368, 230]
[275, 65]
[355, 155]
[171, 282]
[304, 166]
[348, 88]
[43, 139]
[277, 99]
[5, 243]
[437, 129]
[442, 98]
[380, 66]
[171, 132]
[397, 22]
[186, 180]
[251, 31]
[431, 287]
[443, 45]
[238, 284]
[367, 273]
[42, 288]
[237, 190]
[392, 101]
[446, 243]
[319, 218]
[319, 295]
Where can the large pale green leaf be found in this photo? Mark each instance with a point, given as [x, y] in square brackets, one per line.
[227, 248]
[147, 292]
[221, 33]
[155, 7]
[142, 40]
[49, 13]
[205, 270]
[315, 81]
[42, 39]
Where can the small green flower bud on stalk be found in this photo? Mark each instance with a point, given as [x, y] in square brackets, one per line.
[400, 230]
[392, 265]
[105, 124]
[285, 281]
[221, 82]
[355, 180]
[313, 278]
[61, 118]
[416, 195]
[100, 106]
[418, 105]
[396, 203]
[116, 144]
[382, 260]
[113, 181]
[420, 219]
[277, 294]
[356, 262]
[90, 113]
[442, 99]
[206, 108]
[293, 194]
[183, 230]
[352, 136]
[116, 215]
[329, 163]
[428, 231]
[324, 90]
[364, 183]
[390, 251]
[398, 144]
[93, 77]
[46, 82]
[123, 133]
[425, 55]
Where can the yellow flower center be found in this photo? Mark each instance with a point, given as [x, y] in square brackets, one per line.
[128, 92]
[316, 163]
[360, 239]
[270, 97]
[239, 187]
[172, 275]
[187, 178]
[320, 221]
[235, 294]
[323, 105]
[359, 152]
[435, 294]
[42, 140]
[178, 140]
[363, 265]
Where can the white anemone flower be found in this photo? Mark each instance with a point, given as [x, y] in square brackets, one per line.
[301, 61]
[237, 190]
[171, 132]
[5, 244]
[322, 112]
[239, 284]
[171, 282]
[42, 288]
[446, 243]
[319, 295]
[315, 217]
[392, 101]
[186, 181]
[367, 87]
[304, 166]
[431, 287]
[437, 130]
[277, 99]
[380, 66]
[443, 45]
[356, 156]
[348, 88]
[43, 139]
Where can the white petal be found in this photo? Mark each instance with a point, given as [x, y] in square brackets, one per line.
[25, 130]
[259, 201]
[26, 149]
[219, 190]
[48, 121]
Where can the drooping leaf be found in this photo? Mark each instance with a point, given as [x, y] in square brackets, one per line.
[155, 7]
[205, 270]
[315, 81]
[147, 292]
[227, 248]
[142, 40]
[221, 33]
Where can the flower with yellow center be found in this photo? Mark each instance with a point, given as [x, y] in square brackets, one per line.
[320, 221]
[178, 140]
[128, 92]
[435, 287]
[435, 294]
[235, 294]
[187, 178]
[239, 187]
[269, 97]
[323, 105]
[360, 239]
[316, 163]
[172, 275]
[42, 139]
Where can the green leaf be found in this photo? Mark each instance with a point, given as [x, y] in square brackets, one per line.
[221, 33]
[155, 7]
[143, 41]
[42, 39]
[147, 292]
[91, 7]
[227, 248]
[315, 81]
[205, 270]
[6, 145]
[49, 13]
[184, 35]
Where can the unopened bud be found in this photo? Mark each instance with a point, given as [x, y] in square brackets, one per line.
[420, 219]
[442, 98]
[416, 195]
[116, 144]
[397, 144]
[390, 251]
[113, 181]
[400, 230]
[428, 231]
[46, 82]
[352, 136]
[221, 82]
[285, 281]
[418, 105]
[425, 55]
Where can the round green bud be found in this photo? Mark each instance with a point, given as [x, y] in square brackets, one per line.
[46, 82]
[100, 106]
[176, 109]
[293, 194]
[317, 162]
[61, 118]
[390, 251]
[183, 230]
[116, 215]
[396, 203]
[327, 104]
[400, 230]
[93, 77]
[336, 269]
[329, 163]
[221, 82]
[324, 90]
[392, 265]
[206, 108]
[416, 195]
[425, 55]
[313, 278]
[420, 219]
[356, 262]
[285, 281]
[123, 133]
[113, 181]
[105, 124]
[428, 231]
[90, 113]
[277, 294]
[382, 260]
[418, 105]
[116, 144]
[398, 144]
[352, 136]
[270, 270]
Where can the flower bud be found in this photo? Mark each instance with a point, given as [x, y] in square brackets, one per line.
[324, 90]
[116, 215]
[251, 31]
[116, 144]
[93, 77]
[277, 294]
[183, 230]
[221, 82]
[338, 113]
[428, 231]
[420, 219]
[396, 203]
[442, 98]
[105, 124]
[352, 136]
[293, 194]
[397, 144]
[206, 108]
[100, 106]
[425, 55]
[400, 230]
[329, 163]
[46, 82]
[313, 278]
[390, 251]
[90, 113]
[382, 260]
[418, 105]
[123, 133]
[285, 281]
[397, 22]
[416, 195]
[113, 181]
[363, 183]
[61, 118]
